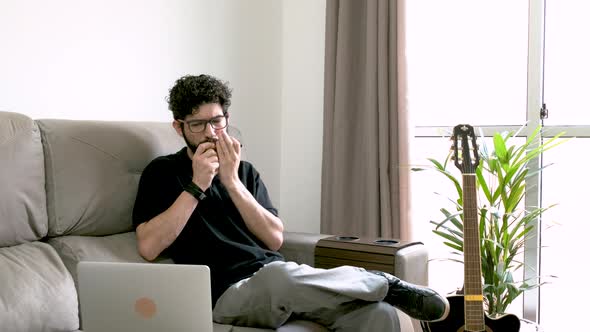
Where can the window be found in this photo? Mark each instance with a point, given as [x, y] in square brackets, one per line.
[465, 67]
[493, 64]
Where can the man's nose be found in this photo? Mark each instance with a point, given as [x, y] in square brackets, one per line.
[209, 130]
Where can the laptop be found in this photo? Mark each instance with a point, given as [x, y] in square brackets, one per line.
[146, 297]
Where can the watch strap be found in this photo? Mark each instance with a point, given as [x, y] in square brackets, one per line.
[195, 191]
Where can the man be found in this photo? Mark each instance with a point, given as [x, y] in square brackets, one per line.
[205, 206]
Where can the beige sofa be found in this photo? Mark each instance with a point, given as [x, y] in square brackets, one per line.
[67, 188]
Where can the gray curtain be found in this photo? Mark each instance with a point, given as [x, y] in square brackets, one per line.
[365, 150]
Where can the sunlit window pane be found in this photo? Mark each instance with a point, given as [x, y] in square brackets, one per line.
[430, 192]
[567, 68]
[565, 234]
[467, 61]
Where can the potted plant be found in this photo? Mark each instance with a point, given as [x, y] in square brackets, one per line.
[504, 225]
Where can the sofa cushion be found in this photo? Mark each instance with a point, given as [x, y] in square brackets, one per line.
[249, 329]
[37, 292]
[301, 326]
[22, 181]
[222, 327]
[93, 168]
[291, 326]
[114, 248]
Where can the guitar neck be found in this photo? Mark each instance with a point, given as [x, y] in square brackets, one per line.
[473, 295]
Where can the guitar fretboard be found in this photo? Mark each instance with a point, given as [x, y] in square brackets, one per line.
[474, 314]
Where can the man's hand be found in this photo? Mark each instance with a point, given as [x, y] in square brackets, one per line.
[228, 151]
[205, 165]
[264, 225]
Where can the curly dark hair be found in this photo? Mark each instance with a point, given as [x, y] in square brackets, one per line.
[189, 92]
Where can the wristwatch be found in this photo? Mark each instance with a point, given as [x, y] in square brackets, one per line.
[194, 190]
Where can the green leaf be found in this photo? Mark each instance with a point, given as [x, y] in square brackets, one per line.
[482, 183]
[441, 169]
[500, 148]
[452, 217]
[451, 238]
[454, 246]
[514, 197]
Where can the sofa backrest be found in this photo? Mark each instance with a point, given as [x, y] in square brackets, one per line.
[65, 177]
[93, 169]
[23, 209]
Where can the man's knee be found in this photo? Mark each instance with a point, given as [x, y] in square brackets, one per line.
[276, 276]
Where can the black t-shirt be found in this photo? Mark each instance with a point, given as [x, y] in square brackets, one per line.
[215, 234]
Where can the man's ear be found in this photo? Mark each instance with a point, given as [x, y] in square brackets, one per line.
[178, 127]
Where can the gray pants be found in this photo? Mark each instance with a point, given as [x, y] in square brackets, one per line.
[343, 299]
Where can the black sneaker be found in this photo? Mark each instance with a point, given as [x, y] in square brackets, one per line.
[418, 302]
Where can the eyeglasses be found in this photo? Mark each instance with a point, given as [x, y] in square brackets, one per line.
[198, 126]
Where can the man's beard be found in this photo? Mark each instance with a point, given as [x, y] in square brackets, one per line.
[190, 145]
[193, 146]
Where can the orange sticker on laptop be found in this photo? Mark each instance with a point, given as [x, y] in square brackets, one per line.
[145, 307]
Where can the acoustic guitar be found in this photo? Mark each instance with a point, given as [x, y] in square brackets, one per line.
[467, 310]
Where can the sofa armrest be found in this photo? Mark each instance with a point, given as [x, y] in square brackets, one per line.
[411, 262]
[300, 247]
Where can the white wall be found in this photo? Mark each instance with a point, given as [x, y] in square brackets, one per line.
[116, 60]
[303, 105]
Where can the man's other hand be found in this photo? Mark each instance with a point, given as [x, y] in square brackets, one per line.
[205, 165]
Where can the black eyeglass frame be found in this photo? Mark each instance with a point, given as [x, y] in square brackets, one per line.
[205, 122]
